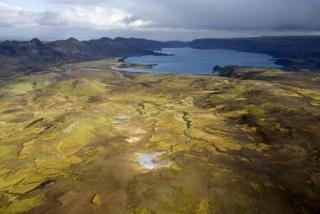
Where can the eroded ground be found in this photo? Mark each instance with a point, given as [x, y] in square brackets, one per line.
[84, 139]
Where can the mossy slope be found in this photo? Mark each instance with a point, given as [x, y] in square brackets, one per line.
[244, 143]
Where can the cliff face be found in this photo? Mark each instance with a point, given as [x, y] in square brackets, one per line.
[31, 49]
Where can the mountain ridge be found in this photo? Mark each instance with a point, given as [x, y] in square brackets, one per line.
[297, 52]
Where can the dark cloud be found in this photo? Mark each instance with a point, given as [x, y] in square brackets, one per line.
[230, 14]
[220, 14]
[86, 2]
[169, 18]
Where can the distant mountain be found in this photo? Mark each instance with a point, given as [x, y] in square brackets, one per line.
[26, 56]
[32, 49]
[36, 55]
[290, 51]
[72, 49]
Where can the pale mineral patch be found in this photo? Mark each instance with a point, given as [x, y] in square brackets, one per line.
[69, 128]
[133, 139]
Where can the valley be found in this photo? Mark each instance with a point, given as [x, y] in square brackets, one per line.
[84, 138]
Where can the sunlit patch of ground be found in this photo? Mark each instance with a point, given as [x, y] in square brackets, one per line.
[87, 139]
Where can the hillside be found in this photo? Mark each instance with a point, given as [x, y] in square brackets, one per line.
[78, 140]
[290, 52]
[35, 55]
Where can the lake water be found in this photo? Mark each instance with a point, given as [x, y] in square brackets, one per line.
[196, 61]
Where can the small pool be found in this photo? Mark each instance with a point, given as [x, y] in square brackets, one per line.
[148, 160]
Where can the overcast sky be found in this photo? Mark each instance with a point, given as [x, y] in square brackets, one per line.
[157, 19]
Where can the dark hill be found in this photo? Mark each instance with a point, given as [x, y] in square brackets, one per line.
[31, 49]
[290, 51]
[35, 55]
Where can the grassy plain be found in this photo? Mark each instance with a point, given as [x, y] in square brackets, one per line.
[244, 143]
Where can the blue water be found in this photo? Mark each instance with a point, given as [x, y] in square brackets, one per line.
[148, 160]
[188, 60]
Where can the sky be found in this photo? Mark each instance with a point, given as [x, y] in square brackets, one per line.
[157, 19]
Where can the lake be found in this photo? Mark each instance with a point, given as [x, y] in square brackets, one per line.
[198, 61]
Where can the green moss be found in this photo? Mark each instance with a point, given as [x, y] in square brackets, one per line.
[141, 211]
[77, 87]
[203, 207]
[96, 200]
[24, 205]
[234, 144]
